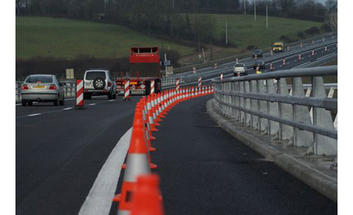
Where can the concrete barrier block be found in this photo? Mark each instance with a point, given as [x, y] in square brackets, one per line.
[285, 111]
[262, 106]
[254, 105]
[301, 114]
[273, 110]
[247, 104]
[321, 117]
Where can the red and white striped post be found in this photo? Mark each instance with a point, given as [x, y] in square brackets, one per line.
[284, 61]
[299, 56]
[127, 90]
[221, 76]
[177, 85]
[79, 94]
[152, 87]
[199, 82]
[312, 52]
[194, 70]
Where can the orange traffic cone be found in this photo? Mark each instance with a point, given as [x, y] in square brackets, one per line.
[136, 164]
[147, 199]
[139, 108]
[150, 114]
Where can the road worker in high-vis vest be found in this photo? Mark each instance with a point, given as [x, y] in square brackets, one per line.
[258, 71]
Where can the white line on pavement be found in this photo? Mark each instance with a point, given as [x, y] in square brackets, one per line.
[99, 199]
[34, 114]
[93, 104]
[68, 108]
[111, 100]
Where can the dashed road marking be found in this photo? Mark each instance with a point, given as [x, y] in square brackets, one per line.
[34, 114]
[93, 104]
[111, 100]
[68, 108]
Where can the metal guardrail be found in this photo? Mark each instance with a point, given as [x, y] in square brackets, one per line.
[298, 114]
[69, 89]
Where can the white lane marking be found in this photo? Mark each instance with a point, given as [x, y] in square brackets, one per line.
[93, 104]
[99, 199]
[68, 108]
[34, 114]
[111, 100]
[18, 104]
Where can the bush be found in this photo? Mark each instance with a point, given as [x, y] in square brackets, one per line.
[301, 35]
[285, 39]
[325, 28]
[251, 47]
[312, 31]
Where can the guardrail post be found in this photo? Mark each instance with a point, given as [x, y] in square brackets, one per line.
[247, 104]
[322, 145]
[261, 88]
[272, 109]
[242, 101]
[254, 106]
[285, 111]
[301, 114]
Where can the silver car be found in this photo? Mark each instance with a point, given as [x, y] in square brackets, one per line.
[98, 82]
[42, 88]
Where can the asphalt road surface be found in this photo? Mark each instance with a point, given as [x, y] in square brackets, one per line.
[204, 170]
[60, 152]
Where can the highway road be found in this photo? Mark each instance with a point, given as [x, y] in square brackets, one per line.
[60, 150]
[323, 51]
[204, 170]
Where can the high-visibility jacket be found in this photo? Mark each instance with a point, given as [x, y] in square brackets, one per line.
[258, 72]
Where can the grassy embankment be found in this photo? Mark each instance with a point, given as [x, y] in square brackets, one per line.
[69, 39]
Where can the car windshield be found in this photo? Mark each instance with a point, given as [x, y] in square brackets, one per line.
[94, 75]
[40, 79]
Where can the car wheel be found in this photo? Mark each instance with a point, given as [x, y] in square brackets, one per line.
[30, 103]
[24, 103]
[99, 83]
[62, 102]
[56, 102]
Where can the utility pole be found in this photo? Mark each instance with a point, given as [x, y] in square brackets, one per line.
[226, 33]
[266, 15]
[244, 7]
[255, 10]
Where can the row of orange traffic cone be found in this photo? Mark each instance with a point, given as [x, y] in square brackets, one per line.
[140, 189]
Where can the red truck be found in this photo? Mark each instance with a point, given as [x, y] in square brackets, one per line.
[144, 67]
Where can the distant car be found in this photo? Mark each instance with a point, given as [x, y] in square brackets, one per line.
[98, 82]
[239, 68]
[259, 64]
[277, 47]
[258, 53]
[42, 88]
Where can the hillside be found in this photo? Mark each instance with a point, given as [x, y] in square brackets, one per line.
[69, 39]
[65, 38]
[244, 31]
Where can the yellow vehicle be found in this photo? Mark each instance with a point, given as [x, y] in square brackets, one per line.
[278, 47]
